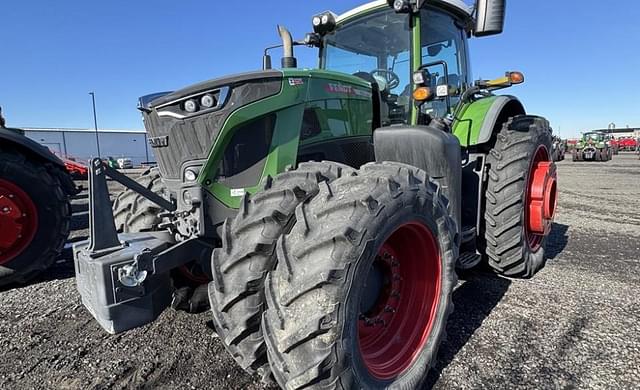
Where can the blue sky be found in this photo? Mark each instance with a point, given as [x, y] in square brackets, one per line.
[581, 58]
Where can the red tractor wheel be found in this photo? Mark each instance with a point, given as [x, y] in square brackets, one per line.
[521, 197]
[34, 216]
[18, 221]
[541, 198]
[362, 289]
[399, 300]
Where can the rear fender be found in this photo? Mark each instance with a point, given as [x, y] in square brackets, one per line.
[476, 122]
[15, 139]
[28, 146]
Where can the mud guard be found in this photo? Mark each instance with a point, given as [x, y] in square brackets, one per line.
[477, 120]
[432, 150]
[15, 137]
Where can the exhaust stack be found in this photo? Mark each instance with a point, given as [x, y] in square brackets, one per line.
[288, 60]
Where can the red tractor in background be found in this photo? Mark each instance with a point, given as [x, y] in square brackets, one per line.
[35, 212]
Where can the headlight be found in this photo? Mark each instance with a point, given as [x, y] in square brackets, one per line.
[421, 77]
[324, 23]
[208, 101]
[190, 175]
[402, 6]
[190, 106]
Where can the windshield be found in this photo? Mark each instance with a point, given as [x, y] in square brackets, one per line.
[376, 48]
[594, 136]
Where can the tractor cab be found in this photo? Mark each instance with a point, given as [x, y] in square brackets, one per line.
[594, 138]
[386, 48]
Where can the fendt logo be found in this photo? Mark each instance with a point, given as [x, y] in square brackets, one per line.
[346, 90]
[159, 142]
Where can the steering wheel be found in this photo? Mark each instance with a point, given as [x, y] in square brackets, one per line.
[393, 80]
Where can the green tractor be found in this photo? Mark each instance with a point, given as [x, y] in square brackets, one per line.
[593, 146]
[328, 209]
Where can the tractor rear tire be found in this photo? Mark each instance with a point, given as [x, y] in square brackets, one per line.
[240, 267]
[362, 289]
[32, 239]
[510, 247]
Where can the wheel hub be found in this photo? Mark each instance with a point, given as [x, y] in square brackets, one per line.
[18, 221]
[382, 292]
[541, 196]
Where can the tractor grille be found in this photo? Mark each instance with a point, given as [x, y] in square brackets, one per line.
[176, 141]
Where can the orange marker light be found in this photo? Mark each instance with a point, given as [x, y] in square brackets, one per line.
[516, 77]
[421, 94]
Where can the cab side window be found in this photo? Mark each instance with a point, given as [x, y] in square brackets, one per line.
[443, 43]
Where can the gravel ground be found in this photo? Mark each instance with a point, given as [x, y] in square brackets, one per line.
[575, 325]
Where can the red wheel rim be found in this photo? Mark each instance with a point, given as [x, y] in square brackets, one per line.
[541, 198]
[395, 325]
[18, 221]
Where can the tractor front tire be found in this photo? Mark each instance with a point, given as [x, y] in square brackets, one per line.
[512, 249]
[133, 213]
[362, 289]
[34, 216]
[240, 267]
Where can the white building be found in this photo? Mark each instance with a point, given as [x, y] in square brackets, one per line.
[81, 145]
[633, 132]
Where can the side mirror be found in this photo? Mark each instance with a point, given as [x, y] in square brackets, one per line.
[490, 16]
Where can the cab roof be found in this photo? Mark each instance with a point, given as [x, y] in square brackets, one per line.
[455, 5]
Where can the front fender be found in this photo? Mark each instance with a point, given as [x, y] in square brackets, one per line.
[477, 120]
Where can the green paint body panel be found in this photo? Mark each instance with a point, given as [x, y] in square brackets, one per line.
[416, 59]
[301, 89]
[470, 119]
